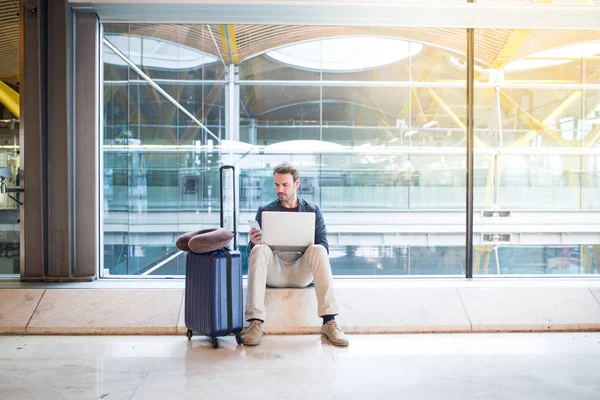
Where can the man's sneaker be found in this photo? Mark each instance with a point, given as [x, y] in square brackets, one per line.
[253, 334]
[332, 331]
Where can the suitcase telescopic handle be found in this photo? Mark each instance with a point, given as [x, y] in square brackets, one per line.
[232, 168]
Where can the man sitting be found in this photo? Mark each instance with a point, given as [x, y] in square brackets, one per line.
[285, 269]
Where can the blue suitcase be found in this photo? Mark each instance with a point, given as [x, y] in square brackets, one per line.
[213, 288]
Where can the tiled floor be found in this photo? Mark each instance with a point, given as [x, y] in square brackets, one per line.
[444, 366]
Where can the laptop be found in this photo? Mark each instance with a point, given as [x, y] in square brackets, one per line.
[288, 231]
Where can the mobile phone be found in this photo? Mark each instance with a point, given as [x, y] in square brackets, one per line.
[254, 225]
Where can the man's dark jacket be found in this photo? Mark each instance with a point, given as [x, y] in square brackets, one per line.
[303, 206]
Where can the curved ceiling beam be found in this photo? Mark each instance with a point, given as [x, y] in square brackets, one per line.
[10, 99]
[229, 42]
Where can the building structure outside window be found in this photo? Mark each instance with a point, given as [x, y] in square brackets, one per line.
[375, 119]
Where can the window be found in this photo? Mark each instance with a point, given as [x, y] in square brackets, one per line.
[375, 118]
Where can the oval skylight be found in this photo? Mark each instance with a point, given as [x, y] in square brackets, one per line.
[561, 55]
[155, 53]
[345, 54]
[544, 59]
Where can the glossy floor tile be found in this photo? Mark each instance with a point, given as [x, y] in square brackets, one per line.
[426, 366]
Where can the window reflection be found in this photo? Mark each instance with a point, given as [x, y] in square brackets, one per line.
[381, 147]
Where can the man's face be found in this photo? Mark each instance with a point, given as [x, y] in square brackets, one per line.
[285, 187]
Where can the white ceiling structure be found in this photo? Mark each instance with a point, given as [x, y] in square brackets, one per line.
[253, 39]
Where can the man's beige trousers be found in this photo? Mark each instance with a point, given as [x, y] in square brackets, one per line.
[266, 268]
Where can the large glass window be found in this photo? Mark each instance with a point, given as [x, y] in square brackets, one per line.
[164, 112]
[376, 120]
[538, 116]
[10, 147]
[10, 238]
[373, 117]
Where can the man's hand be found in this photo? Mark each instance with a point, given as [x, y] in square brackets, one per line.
[255, 236]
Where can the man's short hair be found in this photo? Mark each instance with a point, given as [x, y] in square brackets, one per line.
[286, 168]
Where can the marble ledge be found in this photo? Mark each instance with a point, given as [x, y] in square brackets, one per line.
[16, 308]
[293, 311]
[111, 311]
[102, 330]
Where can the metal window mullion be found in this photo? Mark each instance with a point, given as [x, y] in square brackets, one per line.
[34, 235]
[127, 234]
[86, 173]
[321, 112]
[582, 119]
[321, 101]
[410, 88]
[100, 153]
[470, 150]
[230, 103]
[59, 146]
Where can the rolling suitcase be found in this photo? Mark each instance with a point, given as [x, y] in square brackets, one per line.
[213, 287]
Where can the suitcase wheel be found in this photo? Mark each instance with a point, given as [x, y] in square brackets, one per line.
[190, 334]
[239, 338]
[215, 342]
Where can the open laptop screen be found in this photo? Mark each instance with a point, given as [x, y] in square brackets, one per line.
[288, 231]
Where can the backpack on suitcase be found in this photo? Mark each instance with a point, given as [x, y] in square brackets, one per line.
[213, 287]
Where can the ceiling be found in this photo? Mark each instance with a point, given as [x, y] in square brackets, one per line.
[9, 40]
[490, 45]
[251, 40]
